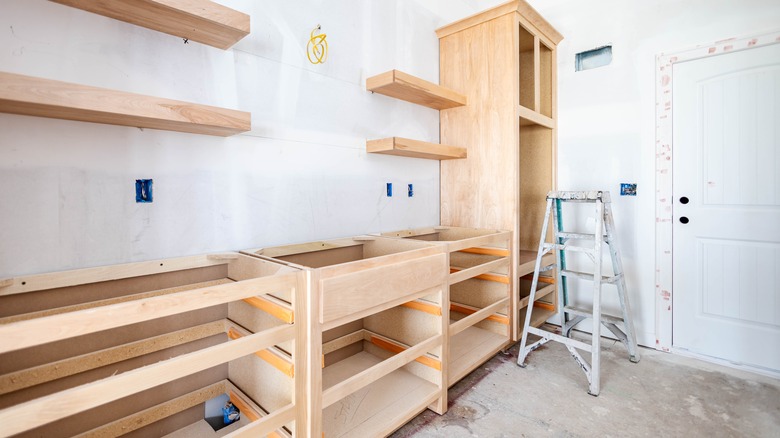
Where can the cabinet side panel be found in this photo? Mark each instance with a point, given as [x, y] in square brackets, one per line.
[481, 62]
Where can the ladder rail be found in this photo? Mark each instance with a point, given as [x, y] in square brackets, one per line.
[532, 296]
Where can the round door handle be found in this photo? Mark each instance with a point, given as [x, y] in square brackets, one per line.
[684, 220]
[684, 200]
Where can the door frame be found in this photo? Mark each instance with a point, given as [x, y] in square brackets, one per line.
[663, 169]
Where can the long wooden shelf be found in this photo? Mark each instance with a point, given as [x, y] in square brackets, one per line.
[405, 147]
[377, 409]
[471, 348]
[39, 97]
[203, 21]
[412, 89]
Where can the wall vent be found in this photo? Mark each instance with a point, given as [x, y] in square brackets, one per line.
[598, 57]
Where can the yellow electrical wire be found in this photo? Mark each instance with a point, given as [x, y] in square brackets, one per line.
[317, 47]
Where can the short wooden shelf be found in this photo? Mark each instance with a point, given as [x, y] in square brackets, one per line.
[405, 147]
[62, 100]
[471, 348]
[203, 21]
[527, 259]
[412, 89]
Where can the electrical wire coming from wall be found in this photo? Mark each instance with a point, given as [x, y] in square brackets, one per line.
[317, 48]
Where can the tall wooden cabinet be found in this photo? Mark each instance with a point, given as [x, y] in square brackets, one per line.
[503, 61]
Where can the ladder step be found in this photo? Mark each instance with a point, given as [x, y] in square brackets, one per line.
[558, 338]
[605, 318]
[586, 276]
[566, 247]
[565, 235]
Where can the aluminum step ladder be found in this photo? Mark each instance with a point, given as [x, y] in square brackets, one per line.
[571, 316]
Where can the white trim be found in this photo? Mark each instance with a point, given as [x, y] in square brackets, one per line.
[774, 374]
[663, 169]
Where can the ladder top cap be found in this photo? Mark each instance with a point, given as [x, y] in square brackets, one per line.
[593, 195]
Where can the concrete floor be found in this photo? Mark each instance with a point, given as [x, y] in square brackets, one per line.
[663, 395]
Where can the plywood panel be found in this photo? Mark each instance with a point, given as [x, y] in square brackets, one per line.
[536, 180]
[481, 191]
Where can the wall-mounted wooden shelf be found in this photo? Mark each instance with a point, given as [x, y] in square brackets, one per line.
[414, 148]
[203, 21]
[62, 100]
[406, 87]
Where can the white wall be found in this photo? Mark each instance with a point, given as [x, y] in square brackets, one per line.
[607, 115]
[302, 173]
[67, 198]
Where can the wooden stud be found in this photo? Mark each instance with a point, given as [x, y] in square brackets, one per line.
[23, 334]
[470, 310]
[489, 277]
[40, 97]
[273, 306]
[397, 347]
[422, 306]
[203, 21]
[73, 365]
[274, 356]
[487, 251]
[406, 87]
[530, 277]
[405, 147]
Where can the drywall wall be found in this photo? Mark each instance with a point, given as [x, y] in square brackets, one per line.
[607, 115]
[68, 198]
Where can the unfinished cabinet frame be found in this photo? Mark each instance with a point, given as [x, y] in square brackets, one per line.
[480, 293]
[138, 348]
[509, 125]
[374, 363]
[203, 21]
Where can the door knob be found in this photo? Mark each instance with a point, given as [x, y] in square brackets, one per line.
[684, 220]
[684, 200]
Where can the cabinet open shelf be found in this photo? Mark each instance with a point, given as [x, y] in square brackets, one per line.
[405, 147]
[412, 89]
[203, 21]
[40, 97]
[471, 348]
[378, 408]
[527, 259]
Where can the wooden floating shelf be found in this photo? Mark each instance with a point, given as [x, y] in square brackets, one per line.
[39, 97]
[406, 87]
[203, 21]
[405, 147]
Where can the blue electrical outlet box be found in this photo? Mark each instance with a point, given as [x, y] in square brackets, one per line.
[143, 190]
[410, 191]
[627, 189]
[389, 190]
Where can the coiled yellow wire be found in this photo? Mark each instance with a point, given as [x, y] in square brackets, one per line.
[317, 48]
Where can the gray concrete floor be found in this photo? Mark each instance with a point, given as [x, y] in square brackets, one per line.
[663, 395]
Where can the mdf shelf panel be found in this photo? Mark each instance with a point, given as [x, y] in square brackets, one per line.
[379, 408]
[40, 97]
[203, 21]
[471, 348]
[405, 147]
[412, 89]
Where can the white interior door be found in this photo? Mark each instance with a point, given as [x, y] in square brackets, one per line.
[726, 185]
